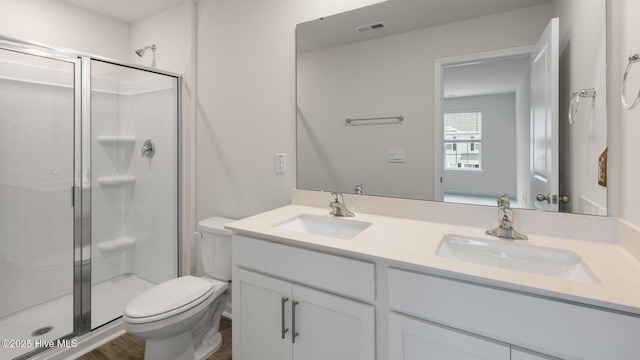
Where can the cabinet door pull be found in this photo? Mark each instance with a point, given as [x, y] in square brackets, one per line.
[294, 334]
[284, 330]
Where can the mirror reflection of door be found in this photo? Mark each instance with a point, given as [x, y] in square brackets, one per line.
[485, 117]
[486, 132]
[544, 120]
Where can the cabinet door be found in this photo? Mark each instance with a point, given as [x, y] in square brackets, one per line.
[332, 327]
[411, 339]
[260, 316]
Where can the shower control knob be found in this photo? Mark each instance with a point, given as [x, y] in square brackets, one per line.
[148, 149]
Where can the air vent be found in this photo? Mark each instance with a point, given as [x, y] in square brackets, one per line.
[375, 26]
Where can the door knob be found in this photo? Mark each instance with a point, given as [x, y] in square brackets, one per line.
[542, 197]
[562, 198]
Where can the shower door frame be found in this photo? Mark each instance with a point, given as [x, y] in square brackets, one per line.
[81, 192]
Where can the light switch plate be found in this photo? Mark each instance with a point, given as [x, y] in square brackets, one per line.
[396, 155]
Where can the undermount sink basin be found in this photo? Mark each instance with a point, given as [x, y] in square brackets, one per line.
[325, 226]
[506, 254]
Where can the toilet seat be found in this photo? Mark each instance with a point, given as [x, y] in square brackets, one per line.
[170, 298]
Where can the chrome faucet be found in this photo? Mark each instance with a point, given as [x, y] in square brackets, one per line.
[338, 207]
[358, 190]
[505, 215]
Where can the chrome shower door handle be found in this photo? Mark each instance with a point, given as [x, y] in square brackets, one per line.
[148, 149]
[294, 334]
[283, 329]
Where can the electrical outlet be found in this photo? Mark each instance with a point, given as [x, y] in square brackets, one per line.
[281, 163]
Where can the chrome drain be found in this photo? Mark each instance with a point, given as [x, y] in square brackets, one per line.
[42, 331]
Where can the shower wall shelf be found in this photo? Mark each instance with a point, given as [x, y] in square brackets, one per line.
[119, 244]
[118, 180]
[116, 139]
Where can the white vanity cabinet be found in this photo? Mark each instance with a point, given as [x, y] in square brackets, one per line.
[412, 339]
[354, 309]
[547, 328]
[285, 304]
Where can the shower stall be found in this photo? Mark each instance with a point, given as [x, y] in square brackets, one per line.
[89, 200]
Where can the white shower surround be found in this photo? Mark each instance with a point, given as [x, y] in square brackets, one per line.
[141, 215]
[37, 233]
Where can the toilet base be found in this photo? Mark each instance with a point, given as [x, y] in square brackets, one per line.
[207, 348]
[180, 347]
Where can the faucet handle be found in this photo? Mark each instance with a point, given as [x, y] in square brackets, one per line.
[337, 206]
[503, 201]
[505, 214]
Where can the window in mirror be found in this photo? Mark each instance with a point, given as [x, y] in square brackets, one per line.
[462, 140]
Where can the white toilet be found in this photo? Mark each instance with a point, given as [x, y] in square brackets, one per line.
[179, 318]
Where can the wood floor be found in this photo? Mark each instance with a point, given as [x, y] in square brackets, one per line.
[127, 347]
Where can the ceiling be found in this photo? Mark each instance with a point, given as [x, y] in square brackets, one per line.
[126, 10]
[399, 16]
[497, 76]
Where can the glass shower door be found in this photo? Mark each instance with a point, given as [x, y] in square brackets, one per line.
[134, 190]
[37, 117]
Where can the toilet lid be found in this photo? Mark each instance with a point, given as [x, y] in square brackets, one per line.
[170, 295]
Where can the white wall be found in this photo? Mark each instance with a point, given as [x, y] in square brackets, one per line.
[246, 101]
[171, 31]
[58, 24]
[624, 37]
[498, 147]
[582, 60]
[345, 82]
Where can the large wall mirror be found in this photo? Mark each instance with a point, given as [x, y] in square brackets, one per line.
[457, 100]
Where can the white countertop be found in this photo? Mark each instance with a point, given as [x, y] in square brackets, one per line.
[412, 244]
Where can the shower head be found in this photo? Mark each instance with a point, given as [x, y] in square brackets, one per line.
[140, 52]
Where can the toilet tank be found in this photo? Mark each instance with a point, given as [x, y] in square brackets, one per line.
[215, 247]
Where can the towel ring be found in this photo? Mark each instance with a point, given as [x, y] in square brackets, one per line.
[575, 101]
[632, 60]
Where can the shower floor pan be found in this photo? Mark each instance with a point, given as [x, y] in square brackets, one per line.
[109, 300]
